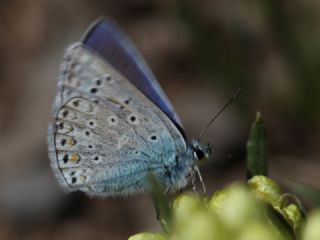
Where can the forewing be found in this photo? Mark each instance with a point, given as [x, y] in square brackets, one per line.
[106, 39]
[106, 135]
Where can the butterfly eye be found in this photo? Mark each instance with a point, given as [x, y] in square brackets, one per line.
[198, 154]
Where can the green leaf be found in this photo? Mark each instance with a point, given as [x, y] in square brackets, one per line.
[257, 149]
[162, 203]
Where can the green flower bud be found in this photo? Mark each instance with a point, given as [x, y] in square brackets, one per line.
[201, 225]
[312, 227]
[258, 231]
[217, 201]
[266, 190]
[235, 206]
[184, 206]
[149, 236]
[293, 216]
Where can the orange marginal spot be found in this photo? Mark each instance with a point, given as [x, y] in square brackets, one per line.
[71, 142]
[74, 158]
[82, 178]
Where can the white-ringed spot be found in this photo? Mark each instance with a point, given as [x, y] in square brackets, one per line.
[133, 119]
[93, 90]
[113, 120]
[154, 138]
[96, 159]
[91, 123]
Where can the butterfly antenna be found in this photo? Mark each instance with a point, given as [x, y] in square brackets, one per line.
[214, 117]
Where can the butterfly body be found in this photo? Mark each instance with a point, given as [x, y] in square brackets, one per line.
[109, 132]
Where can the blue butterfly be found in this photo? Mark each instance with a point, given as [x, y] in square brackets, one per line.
[112, 122]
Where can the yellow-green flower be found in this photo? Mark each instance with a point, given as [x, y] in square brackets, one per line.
[237, 212]
[312, 228]
[235, 206]
[266, 190]
[148, 236]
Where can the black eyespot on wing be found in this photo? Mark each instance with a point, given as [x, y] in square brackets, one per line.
[63, 142]
[132, 118]
[76, 103]
[127, 101]
[65, 113]
[153, 138]
[73, 180]
[98, 82]
[93, 90]
[65, 158]
[60, 125]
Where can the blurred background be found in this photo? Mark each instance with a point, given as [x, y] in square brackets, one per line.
[200, 51]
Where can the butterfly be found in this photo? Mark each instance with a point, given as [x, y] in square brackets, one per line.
[113, 124]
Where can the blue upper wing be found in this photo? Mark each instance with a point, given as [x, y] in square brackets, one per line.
[106, 39]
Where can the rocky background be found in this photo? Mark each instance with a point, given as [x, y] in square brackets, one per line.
[201, 51]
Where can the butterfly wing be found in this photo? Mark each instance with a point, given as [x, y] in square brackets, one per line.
[106, 39]
[106, 135]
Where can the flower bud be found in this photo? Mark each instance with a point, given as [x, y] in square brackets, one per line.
[148, 236]
[312, 227]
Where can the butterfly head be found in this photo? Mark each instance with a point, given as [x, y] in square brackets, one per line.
[200, 151]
